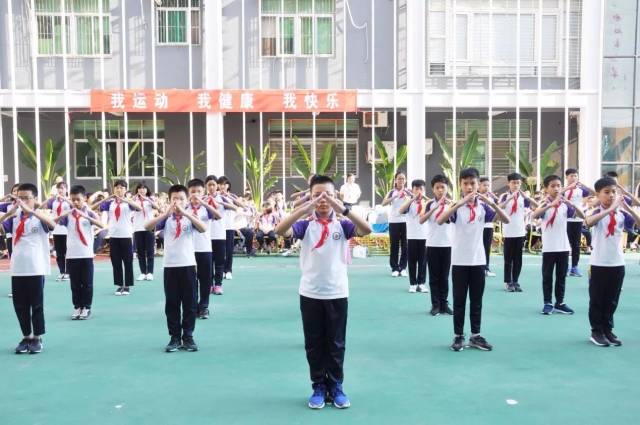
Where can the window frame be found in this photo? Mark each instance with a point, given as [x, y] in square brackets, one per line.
[187, 10]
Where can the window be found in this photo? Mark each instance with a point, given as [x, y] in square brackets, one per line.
[476, 48]
[89, 162]
[329, 132]
[503, 141]
[297, 27]
[82, 25]
[175, 18]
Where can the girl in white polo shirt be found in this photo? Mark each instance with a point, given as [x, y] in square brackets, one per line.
[397, 225]
[144, 240]
[469, 215]
[608, 222]
[228, 198]
[58, 205]
[217, 232]
[180, 286]
[414, 207]
[554, 213]
[575, 192]
[324, 285]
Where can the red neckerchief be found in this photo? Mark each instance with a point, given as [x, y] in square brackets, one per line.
[441, 210]
[325, 230]
[141, 199]
[611, 228]
[116, 212]
[212, 202]
[78, 228]
[472, 214]
[178, 227]
[20, 228]
[419, 201]
[514, 207]
[402, 193]
[553, 216]
[570, 194]
[59, 209]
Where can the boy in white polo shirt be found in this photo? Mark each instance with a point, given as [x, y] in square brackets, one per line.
[608, 222]
[120, 232]
[484, 188]
[554, 213]
[469, 216]
[324, 287]
[515, 204]
[29, 264]
[217, 232]
[79, 222]
[58, 205]
[180, 286]
[414, 207]
[438, 246]
[144, 240]
[575, 192]
[202, 244]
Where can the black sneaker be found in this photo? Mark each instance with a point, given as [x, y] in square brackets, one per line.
[480, 343]
[23, 346]
[458, 343]
[510, 287]
[204, 313]
[35, 346]
[125, 290]
[446, 310]
[562, 309]
[189, 344]
[173, 345]
[598, 339]
[435, 310]
[612, 338]
[517, 287]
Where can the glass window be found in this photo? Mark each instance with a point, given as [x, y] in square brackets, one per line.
[617, 82]
[172, 19]
[619, 25]
[616, 135]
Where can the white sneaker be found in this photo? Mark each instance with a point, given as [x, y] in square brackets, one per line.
[404, 273]
[412, 288]
[395, 273]
[229, 276]
[59, 278]
[76, 314]
[423, 288]
[489, 273]
[119, 291]
[65, 277]
[142, 277]
[149, 276]
[85, 314]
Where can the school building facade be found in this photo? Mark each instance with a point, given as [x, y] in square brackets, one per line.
[545, 85]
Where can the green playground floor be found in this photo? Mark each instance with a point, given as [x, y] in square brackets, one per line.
[251, 367]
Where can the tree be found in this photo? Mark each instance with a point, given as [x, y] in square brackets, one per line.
[177, 177]
[385, 168]
[464, 159]
[50, 152]
[548, 165]
[256, 172]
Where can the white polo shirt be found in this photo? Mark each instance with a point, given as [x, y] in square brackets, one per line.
[121, 226]
[229, 215]
[554, 233]
[415, 230]
[178, 248]
[31, 251]
[75, 247]
[438, 235]
[217, 229]
[267, 222]
[394, 214]
[350, 192]
[489, 225]
[576, 197]
[201, 241]
[516, 210]
[468, 226]
[141, 217]
[607, 248]
[324, 268]
[58, 206]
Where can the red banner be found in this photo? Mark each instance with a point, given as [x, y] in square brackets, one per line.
[223, 100]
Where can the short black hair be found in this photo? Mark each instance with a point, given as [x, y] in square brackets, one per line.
[604, 182]
[439, 178]
[28, 187]
[418, 183]
[224, 180]
[570, 171]
[547, 180]
[121, 183]
[514, 176]
[15, 186]
[611, 174]
[483, 179]
[469, 173]
[195, 183]
[141, 185]
[60, 184]
[320, 179]
[78, 190]
[209, 178]
[178, 188]
[350, 175]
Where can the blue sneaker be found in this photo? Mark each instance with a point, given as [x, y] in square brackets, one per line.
[547, 309]
[574, 272]
[339, 398]
[316, 401]
[563, 309]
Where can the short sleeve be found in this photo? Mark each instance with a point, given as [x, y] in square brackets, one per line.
[161, 225]
[348, 228]
[571, 211]
[64, 221]
[489, 213]
[453, 217]
[50, 204]
[527, 203]
[4, 207]
[502, 198]
[105, 205]
[629, 221]
[44, 226]
[596, 211]
[299, 228]
[585, 192]
[209, 215]
[8, 225]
